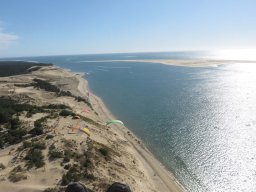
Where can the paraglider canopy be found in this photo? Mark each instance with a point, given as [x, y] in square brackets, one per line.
[76, 117]
[114, 122]
[85, 130]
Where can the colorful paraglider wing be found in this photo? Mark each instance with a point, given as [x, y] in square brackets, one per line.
[85, 111]
[72, 131]
[114, 122]
[86, 131]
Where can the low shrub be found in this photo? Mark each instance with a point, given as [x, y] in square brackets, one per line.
[38, 127]
[38, 145]
[34, 145]
[67, 166]
[15, 132]
[55, 154]
[16, 174]
[72, 175]
[86, 163]
[57, 106]
[52, 147]
[16, 177]
[104, 151]
[49, 136]
[69, 153]
[34, 158]
[66, 159]
[66, 113]
[26, 144]
[2, 166]
[16, 169]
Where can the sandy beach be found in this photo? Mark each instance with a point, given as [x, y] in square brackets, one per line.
[129, 160]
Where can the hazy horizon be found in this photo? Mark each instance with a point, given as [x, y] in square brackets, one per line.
[239, 55]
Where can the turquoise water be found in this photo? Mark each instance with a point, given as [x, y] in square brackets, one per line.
[199, 122]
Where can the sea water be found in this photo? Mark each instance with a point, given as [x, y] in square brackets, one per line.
[199, 122]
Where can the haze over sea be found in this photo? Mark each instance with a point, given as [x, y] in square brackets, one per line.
[199, 122]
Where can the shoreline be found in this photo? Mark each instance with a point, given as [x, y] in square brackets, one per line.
[163, 179]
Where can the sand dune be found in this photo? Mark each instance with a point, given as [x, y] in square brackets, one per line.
[130, 162]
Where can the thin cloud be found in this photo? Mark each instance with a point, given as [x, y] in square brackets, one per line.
[7, 37]
[6, 40]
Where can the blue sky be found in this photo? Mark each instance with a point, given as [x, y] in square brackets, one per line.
[58, 27]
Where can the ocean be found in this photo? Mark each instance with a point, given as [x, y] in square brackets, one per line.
[199, 122]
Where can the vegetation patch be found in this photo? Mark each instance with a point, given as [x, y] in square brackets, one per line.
[38, 145]
[82, 169]
[15, 177]
[68, 154]
[54, 153]
[9, 107]
[49, 137]
[72, 175]
[13, 133]
[47, 86]
[75, 174]
[35, 158]
[92, 121]
[22, 85]
[57, 106]
[69, 143]
[39, 126]
[8, 68]
[85, 100]
[2, 166]
[104, 151]
[17, 174]
[66, 113]
[26, 144]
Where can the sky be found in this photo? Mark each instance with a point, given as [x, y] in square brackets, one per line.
[60, 27]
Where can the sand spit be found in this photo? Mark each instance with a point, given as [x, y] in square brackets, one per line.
[127, 161]
[178, 62]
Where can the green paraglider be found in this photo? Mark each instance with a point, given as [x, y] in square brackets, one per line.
[114, 122]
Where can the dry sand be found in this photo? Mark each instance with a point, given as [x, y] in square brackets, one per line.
[131, 162]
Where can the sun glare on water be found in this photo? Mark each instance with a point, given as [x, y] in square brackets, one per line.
[235, 54]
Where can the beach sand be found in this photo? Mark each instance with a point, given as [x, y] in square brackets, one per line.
[131, 162]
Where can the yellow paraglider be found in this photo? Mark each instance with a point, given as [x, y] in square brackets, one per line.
[86, 131]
